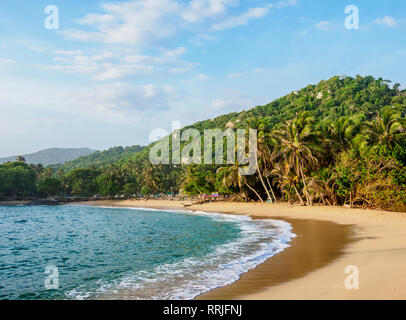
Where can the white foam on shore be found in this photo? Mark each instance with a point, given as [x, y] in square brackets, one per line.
[260, 240]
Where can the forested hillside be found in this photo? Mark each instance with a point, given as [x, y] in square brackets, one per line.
[99, 158]
[341, 141]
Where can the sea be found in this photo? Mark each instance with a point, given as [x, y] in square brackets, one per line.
[84, 252]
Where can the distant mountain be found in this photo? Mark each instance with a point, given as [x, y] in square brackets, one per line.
[100, 158]
[52, 156]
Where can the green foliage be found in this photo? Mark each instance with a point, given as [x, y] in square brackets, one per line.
[50, 186]
[198, 180]
[374, 177]
[99, 158]
[17, 179]
[82, 182]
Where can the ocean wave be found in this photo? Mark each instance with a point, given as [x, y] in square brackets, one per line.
[184, 280]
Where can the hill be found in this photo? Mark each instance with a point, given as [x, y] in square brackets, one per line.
[327, 101]
[100, 158]
[51, 156]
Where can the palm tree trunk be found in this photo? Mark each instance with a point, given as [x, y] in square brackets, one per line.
[351, 198]
[308, 198]
[298, 194]
[270, 187]
[263, 183]
[252, 189]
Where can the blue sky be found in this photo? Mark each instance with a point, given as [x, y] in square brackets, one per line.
[115, 70]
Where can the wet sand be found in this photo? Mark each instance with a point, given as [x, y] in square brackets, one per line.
[329, 239]
[317, 244]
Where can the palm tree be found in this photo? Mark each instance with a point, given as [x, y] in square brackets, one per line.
[232, 177]
[387, 129]
[284, 176]
[263, 151]
[149, 178]
[322, 186]
[340, 133]
[297, 139]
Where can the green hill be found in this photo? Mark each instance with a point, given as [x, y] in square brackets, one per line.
[327, 101]
[100, 158]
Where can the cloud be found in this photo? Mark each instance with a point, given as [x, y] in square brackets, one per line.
[323, 25]
[108, 65]
[199, 10]
[134, 22]
[127, 97]
[69, 53]
[6, 62]
[243, 19]
[120, 102]
[147, 22]
[387, 21]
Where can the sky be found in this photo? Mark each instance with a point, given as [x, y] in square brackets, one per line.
[97, 73]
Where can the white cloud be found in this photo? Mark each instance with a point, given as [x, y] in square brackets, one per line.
[323, 25]
[174, 53]
[6, 62]
[241, 20]
[68, 53]
[108, 65]
[146, 22]
[126, 97]
[387, 21]
[285, 3]
[199, 10]
[134, 22]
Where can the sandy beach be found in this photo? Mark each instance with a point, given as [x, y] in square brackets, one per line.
[328, 240]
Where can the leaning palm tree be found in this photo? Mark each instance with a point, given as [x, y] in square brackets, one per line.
[322, 186]
[263, 152]
[297, 142]
[387, 129]
[285, 177]
[232, 177]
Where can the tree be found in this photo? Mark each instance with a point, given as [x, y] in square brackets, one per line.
[286, 180]
[263, 151]
[297, 139]
[386, 129]
[50, 186]
[82, 181]
[232, 177]
[341, 132]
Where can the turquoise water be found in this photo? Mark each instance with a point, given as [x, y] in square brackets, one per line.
[128, 253]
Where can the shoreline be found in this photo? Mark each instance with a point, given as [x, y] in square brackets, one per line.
[374, 243]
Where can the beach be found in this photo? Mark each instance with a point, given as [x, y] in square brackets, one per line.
[328, 240]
